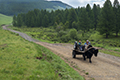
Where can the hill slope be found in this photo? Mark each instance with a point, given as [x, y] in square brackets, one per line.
[24, 60]
[5, 19]
[13, 7]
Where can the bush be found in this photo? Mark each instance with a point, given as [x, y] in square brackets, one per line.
[73, 34]
[65, 38]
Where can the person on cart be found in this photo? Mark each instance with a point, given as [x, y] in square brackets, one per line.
[87, 44]
[80, 46]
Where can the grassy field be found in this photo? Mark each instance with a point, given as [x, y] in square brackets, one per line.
[24, 60]
[5, 19]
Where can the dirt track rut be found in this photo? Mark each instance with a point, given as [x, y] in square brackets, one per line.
[103, 67]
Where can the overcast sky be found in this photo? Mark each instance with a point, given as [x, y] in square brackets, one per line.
[83, 3]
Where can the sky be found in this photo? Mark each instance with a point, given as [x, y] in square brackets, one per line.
[83, 3]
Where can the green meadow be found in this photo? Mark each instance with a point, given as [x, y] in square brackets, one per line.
[24, 60]
[5, 19]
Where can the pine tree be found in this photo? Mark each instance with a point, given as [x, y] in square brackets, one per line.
[90, 15]
[83, 20]
[14, 20]
[106, 23]
[72, 16]
[19, 20]
[36, 17]
[27, 19]
[32, 19]
[45, 21]
[66, 15]
[116, 16]
[96, 13]
[51, 18]
[39, 20]
[57, 19]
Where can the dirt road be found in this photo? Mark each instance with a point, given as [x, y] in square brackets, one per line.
[103, 67]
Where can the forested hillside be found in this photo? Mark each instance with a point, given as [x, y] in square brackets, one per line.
[105, 20]
[14, 7]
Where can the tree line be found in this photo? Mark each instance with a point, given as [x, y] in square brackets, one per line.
[105, 20]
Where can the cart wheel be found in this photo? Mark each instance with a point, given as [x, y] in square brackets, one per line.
[73, 54]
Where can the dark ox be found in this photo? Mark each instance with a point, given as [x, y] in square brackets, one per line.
[89, 53]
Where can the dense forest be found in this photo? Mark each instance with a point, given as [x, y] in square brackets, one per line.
[14, 7]
[105, 20]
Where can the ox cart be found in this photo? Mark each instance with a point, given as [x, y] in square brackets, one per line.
[86, 51]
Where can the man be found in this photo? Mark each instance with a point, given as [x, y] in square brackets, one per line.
[87, 44]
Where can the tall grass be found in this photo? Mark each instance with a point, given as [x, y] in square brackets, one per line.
[24, 60]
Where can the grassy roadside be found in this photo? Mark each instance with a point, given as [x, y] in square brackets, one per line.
[24, 60]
